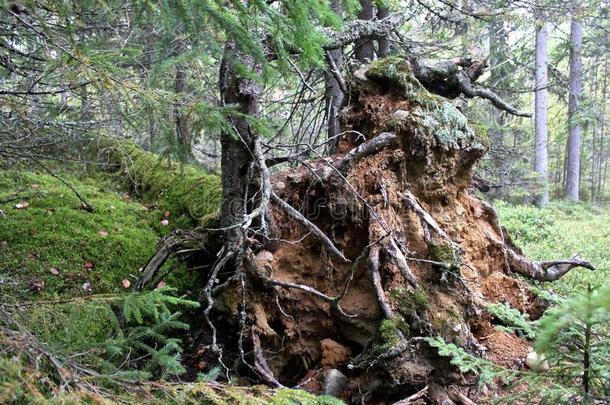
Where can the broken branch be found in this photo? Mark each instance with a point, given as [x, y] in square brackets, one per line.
[369, 147]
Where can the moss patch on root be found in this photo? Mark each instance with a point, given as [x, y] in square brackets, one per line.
[410, 301]
[189, 194]
[445, 252]
[388, 336]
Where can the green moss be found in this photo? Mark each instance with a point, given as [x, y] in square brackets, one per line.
[410, 301]
[210, 394]
[53, 232]
[189, 194]
[396, 71]
[388, 336]
[445, 252]
[444, 323]
[481, 133]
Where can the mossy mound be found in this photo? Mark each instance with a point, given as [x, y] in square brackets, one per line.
[50, 248]
[189, 194]
[431, 118]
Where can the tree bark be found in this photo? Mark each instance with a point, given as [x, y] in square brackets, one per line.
[333, 94]
[182, 136]
[602, 158]
[541, 114]
[236, 158]
[365, 49]
[594, 155]
[575, 89]
[383, 44]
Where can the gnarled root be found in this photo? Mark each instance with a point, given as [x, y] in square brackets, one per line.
[166, 247]
[544, 271]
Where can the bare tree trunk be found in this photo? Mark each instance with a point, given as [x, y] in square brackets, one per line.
[236, 157]
[594, 152]
[541, 114]
[383, 44]
[365, 49]
[333, 93]
[602, 140]
[182, 135]
[573, 145]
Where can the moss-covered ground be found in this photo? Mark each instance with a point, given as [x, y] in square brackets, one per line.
[52, 247]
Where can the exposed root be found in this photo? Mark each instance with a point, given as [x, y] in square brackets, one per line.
[260, 363]
[373, 267]
[415, 399]
[332, 301]
[457, 76]
[394, 254]
[165, 248]
[296, 215]
[544, 271]
[425, 217]
[369, 147]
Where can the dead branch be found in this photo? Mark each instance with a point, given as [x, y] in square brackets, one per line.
[369, 147]
[84, 204]
[544, 271]
[336, 73]
[454, 77]
[460, 398]
[363, 29]
[296, 215]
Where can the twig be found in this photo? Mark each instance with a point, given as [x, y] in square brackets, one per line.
[83, 202]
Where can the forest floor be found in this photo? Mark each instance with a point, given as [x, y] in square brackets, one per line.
[53, 252]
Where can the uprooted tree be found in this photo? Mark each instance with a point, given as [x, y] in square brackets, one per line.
[347, 262]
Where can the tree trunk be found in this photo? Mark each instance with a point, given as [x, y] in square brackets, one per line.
[575, 88]
[365, 49]
[333, 94]
[182, 135]
[236, 159]
[594, 152]
[383, 44]
[602, 140]
[541, 114]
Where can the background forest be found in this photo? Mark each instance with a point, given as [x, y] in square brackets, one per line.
[127, 126]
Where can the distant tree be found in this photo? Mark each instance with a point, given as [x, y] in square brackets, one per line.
[575, 96]
[541, 113]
